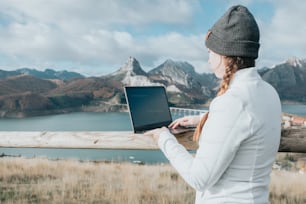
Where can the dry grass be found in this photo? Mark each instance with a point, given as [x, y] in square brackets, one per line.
[287, 187]
[45, 181]
[68, 181]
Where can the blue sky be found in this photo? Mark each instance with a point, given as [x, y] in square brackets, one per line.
[96, 37]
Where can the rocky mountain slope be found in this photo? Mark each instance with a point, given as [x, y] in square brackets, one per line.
[289, 79]
[184, 86]
[36, 93]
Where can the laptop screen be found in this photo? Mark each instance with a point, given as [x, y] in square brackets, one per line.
[148, 107]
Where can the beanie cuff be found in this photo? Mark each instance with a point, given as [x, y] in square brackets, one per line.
[232, 48]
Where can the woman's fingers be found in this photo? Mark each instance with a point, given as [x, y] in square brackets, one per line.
[179, 122]
[174, 124]
[185, 121]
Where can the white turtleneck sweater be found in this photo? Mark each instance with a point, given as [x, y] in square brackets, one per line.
[237, 146]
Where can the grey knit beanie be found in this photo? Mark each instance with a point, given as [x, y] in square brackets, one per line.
[236, 33]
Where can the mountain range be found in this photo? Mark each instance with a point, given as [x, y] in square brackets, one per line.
[28, 92]
[47, 74]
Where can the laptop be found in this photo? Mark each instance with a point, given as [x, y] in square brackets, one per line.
[149, 109]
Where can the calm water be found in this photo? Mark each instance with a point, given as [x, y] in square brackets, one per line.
[80, 122]
[91, 122]
[69, 122]
[295, 109]
[133, 156]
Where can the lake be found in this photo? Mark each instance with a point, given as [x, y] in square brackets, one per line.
[85, 121]
[82, 121]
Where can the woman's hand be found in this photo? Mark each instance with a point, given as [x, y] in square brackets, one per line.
[156, 132]
[186, 121]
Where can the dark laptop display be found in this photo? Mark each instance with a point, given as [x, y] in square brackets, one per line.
[148, 107]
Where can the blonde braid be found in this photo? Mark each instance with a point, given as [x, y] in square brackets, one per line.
[231, 68]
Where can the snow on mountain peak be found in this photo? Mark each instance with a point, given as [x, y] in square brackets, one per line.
[178, 72]
[133, 74]
[294, 61]
[131, 68]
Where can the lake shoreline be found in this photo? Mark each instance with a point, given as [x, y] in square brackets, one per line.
[105, 108]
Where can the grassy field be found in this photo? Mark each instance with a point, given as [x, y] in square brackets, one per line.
[68, 181]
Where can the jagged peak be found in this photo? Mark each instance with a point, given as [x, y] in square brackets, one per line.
[132, 61]
[133, 66]
[296, 62]
[177, 65]
[169, 61]
[177, 72]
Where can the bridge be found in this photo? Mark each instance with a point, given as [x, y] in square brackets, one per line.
[186, 111]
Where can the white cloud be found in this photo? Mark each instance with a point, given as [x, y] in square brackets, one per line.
[116, 47]
[284, 35]
[97, 37]
[86, 33]
[99, 13]
[178, 47]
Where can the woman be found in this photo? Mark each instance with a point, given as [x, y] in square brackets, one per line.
[239, 138]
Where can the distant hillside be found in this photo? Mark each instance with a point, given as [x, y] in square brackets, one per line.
[47, 74]
[289, 79]
[25, 83]
[27, 92]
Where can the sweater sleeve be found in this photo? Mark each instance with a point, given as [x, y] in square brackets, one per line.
[219, 141]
